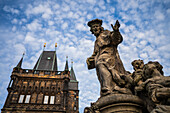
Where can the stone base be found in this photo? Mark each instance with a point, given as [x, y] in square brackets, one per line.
[121, 108]
[116, 103]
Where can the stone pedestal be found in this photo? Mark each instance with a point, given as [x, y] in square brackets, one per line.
[116, 103]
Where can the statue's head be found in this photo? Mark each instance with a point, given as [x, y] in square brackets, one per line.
[138, 64]
[153, 69]
[95, 26]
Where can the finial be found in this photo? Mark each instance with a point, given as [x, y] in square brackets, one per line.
[71, 62]
[55, 44]
[23, 54]
[44, 45]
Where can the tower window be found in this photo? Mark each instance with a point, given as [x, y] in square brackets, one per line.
[48, 58]
[75, 108]
[46, 99]
[75, 98]
[27, 100]
[21, 98]
[10, 85]
[52, 99]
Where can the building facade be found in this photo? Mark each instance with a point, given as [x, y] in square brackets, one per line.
[42, 89]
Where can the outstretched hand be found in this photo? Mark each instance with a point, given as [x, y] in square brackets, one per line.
[116, 26]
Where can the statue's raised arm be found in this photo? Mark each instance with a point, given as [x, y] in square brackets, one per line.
[116, 26]
[115, 34]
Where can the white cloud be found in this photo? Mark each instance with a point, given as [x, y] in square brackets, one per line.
[14, 21]
[81, 27]
[56, 6]
[50, 23]
[108, 1]
[35, 10]
[29, 39]
[9, 9]
[65, 8]
[143, 55]
[112, 10]
[91, 1]
[101, 4]
[89, 16]
[19, 48]
[64, 25]
[34, 26]
[168, 11]
[40, 9]
[159, 15]
[14, 28]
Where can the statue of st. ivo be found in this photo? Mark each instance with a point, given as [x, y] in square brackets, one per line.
[105, 58]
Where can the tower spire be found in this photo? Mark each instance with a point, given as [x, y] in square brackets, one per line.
[20, 62]
[66, 66]
[72, 74]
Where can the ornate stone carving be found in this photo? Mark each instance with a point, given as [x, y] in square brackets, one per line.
[146, 90]
[105, 58]
[157, 86]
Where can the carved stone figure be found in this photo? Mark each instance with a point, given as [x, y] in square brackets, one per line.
[137, 75]
[105, 58]
[146, 90]
[157, 87]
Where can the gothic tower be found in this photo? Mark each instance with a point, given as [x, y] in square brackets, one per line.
[43, 88]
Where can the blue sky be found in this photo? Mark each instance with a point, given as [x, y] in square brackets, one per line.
[27, 25]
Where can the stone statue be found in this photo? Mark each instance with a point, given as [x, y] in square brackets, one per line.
[105, 58]
[137, 75]
[146, 90]
[157, 87]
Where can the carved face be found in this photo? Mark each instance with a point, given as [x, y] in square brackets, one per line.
[137, 64]
[96, 29]
[153, 69]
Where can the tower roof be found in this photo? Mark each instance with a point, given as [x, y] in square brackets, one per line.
[66, 66]
[47, 61]
[20, 62]
[72, 74]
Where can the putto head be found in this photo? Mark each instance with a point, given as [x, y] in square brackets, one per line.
[138, 64]
[153, 69]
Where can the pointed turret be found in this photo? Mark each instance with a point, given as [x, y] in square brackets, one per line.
[20, 62]
[73, 84]
[72, 74]
[66, 66]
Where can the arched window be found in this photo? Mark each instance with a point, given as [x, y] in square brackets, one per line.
[21, 98]
[46, 97]
[27, 99]
[75, 108]
[52, 98]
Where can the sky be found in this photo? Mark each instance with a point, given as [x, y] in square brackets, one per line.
[25, 25]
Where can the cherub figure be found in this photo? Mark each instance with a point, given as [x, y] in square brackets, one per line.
[137, 75]
[157, 87]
